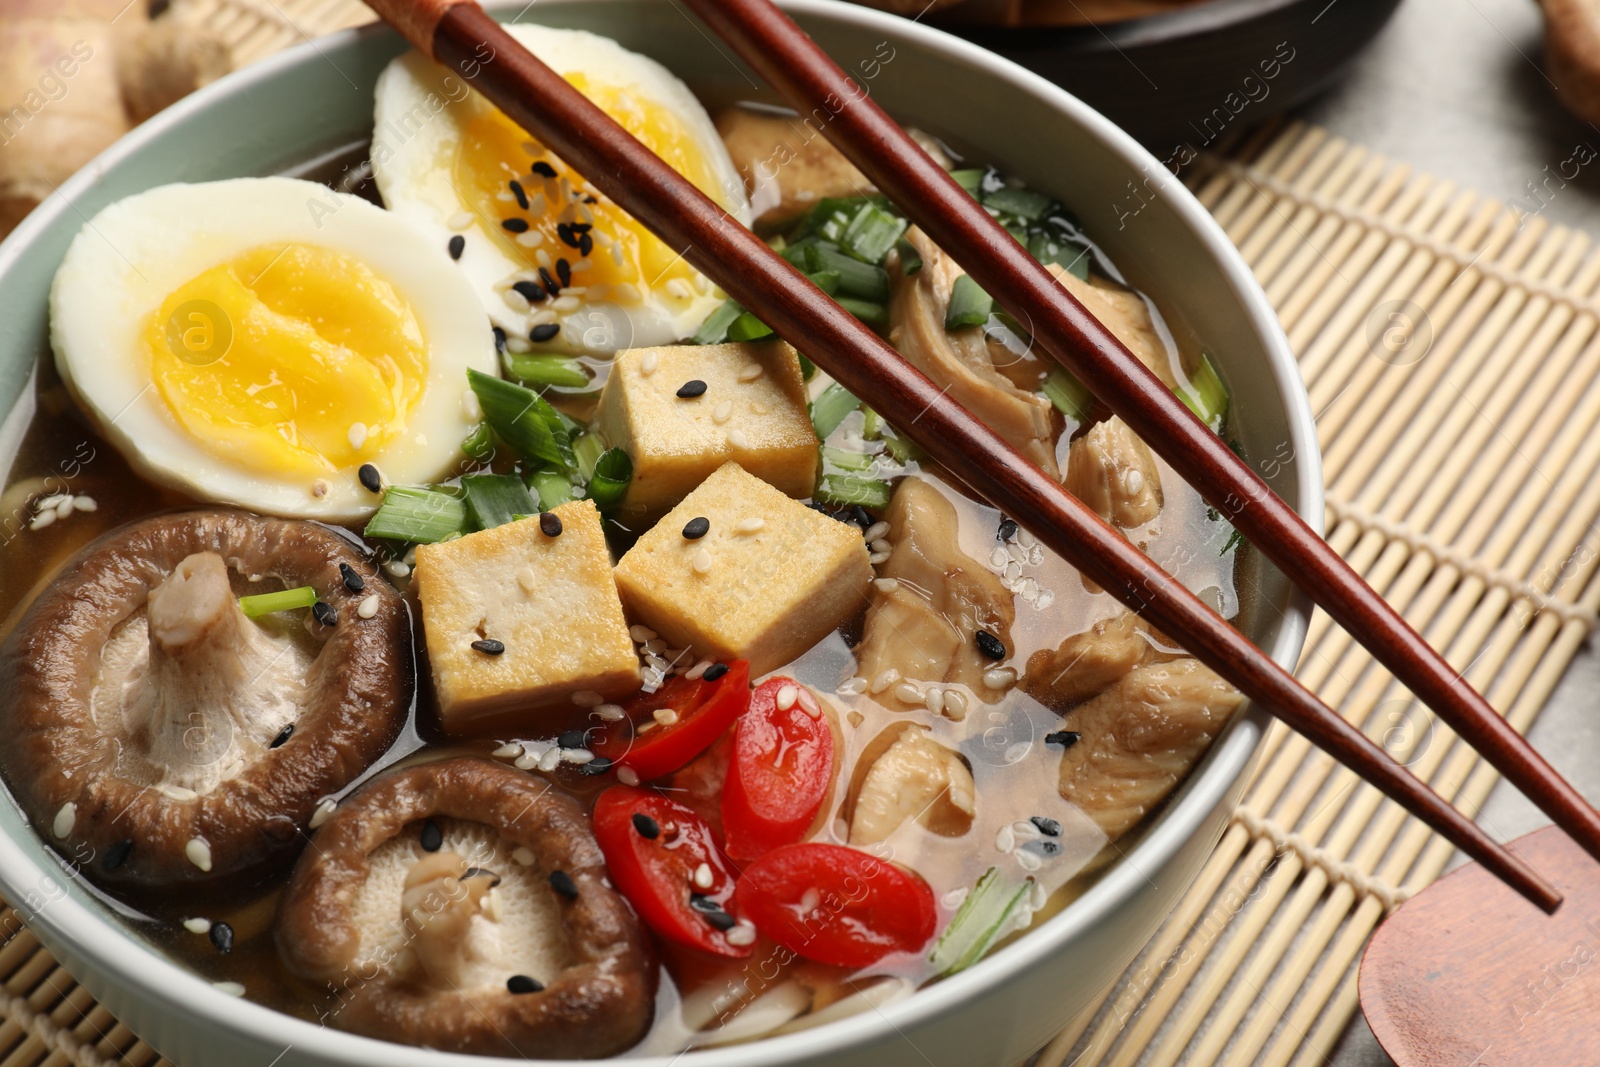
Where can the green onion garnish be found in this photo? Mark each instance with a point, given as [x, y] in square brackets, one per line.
[866, 281]
[495, 499]
[871, 233]
[514, 413]
[826, 280]
[910, 258]
[903, 449]
[748, 328]
[1069, 395]
[479, 444]
[830, 407]
[553, 488]
[283, 600]
[714, 330]
[612, 473]
[868, 311]
[1022, 203]
[544, 371]
[977, 924]
[970, 180]
[846, 460]
[872, 424]
[841, 489]
[969, 304]
[586, 449]
[418, 515]
[1207, 394]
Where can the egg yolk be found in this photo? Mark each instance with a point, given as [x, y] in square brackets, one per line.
[289, 359]
[609, 247]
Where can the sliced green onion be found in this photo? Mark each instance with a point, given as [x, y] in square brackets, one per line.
[826, 280]
[283, 600]
[864, 280]
[479, 444]
[714, 330]
[1069, 395]
[1207, 394]
[910, 258]
[978, 923]
[1235, 539]
[612, 473]
[841, 489]
[871, 233]
[830, 407]
[808, 369]
[1072, 255]
[868, 311]
[798, 253]
[846, 460]
[543, 371]
[495, 499]
[418, 515]
[903, 449]
[969, 304]
[517, 414]
[553, 488]
[872, 424]
[587, 449]
[748, 328]
[1022, 203]
[833, 215]
[970, 180]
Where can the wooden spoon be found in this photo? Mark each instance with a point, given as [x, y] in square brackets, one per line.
[1464, 975]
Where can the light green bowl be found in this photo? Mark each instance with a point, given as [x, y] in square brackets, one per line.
[317, 98]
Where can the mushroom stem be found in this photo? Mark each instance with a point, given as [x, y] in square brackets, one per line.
[204, 700]
[441, 896]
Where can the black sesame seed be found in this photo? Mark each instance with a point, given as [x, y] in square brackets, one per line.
[489, 646]
[1008, 529]
[352, 581]
[648, 828]
[703, 904]
[457, 245]
[598, 765]
[1064, 738]
[371, 481]
[515, 225]
[692, 388]
[324, 613]
[543, 332]
[590, 200]
[585, 244]
[863, 518]
[582, 227]
[696, 528]
[521, 983]
[550, 523]
[520, 193]
[432, 838]
[221, 937]
[1047, 826]
[283, 735]
[543, 169]
[720, 919]
[117, 854]
[990, 645]
[533, 292]
[564, 272]
[715, 671]
[563, 884]
[480, 872]
[551, 286]
[500, 335]
[568, 238]
[1050, 848]
[570, 739]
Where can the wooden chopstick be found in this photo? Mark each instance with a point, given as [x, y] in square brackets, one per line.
[462, 36]
[806, 77]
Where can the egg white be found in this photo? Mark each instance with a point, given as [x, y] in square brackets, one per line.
[131, 256]
[421, 108]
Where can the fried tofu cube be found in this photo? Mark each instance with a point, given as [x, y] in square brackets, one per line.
[767, 580]
[748, 404]
[551, 602]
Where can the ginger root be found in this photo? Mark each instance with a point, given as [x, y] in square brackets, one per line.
[77, 74]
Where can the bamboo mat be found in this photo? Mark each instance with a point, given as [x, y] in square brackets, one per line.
[1450, 351]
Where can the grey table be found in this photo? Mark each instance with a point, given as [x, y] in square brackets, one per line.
[1456, 88]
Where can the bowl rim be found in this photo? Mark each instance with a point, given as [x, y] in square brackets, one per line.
[128, 960]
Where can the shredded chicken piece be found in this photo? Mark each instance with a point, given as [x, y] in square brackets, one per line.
[1140, 737]
[441, 897]
[925, 626]
[1126, 315]
[915, 778]
[1086, 663]
[1114, 472]
[962, 359]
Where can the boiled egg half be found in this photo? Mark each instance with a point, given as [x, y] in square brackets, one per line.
[559, 267]
[257, 341]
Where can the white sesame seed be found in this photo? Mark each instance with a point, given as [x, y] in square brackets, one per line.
[581, 264]
[368, 606]
[542, 258]
[529, 759]
[642, 633]
[679, 289]
[578, 756]
[879, 557]
[197, 926]
[880, 547]
[935, 698]
[397, 568]
[627, 776]
[461, 220]
[587, 698]
[703, 877]
[908, 693]
[529, 239]
[610, 712]
[548, 761]
[722, 412]
[515, 301]
[851, 687]
[176, 792]
[664, 716]
[809, 705]
[43, 519]
[656, 645]
[955, 704]
[1000, 678]
[809, 901]
[953, 899]
[877, 530]
[198, 853]
[738, 439]
[999, 557]
[886, 585]
[509, 751]
[626, 292]
[1026, 830]
[491, 905]
[65, 819]
[85, 503]
[566, 303]
[233, 989]
[528, 580]
[700, 668]
[751, 372]
[523, 856]
[324, 810]
[885, 680]
[64, 508]
[701, 562]
[742, 934]
[517, 344]
[787, 695]
[647, 363]
[1133, 480]
[1028, 861]
[749, 526]
[1005, 840]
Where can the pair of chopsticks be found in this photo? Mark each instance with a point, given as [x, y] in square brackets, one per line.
[459, 34]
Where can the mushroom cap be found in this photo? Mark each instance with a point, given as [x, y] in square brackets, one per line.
[599, 1004]
[67, 770]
